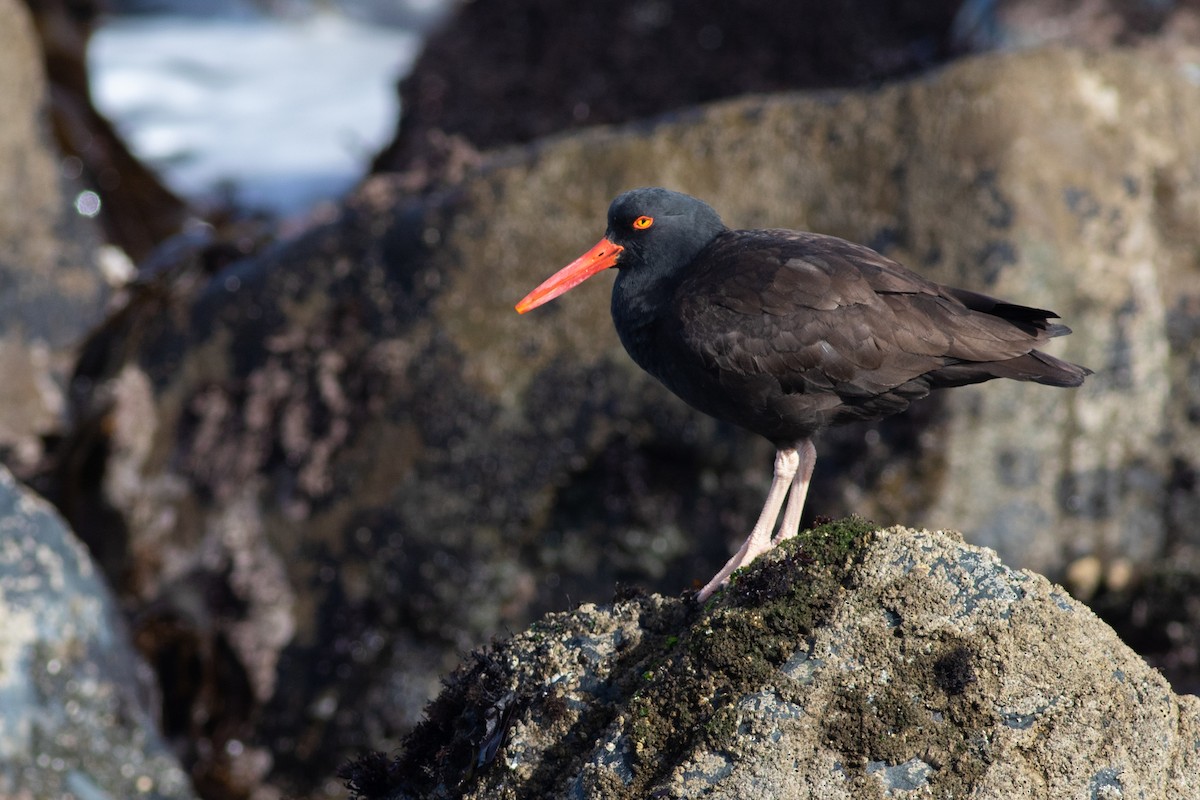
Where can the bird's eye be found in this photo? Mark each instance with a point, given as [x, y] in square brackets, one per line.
[643, 222]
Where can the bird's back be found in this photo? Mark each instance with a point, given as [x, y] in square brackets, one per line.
[784, 332]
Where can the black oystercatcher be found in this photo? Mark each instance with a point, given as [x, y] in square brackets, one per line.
[784, 332]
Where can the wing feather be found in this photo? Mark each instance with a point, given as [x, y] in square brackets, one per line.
[816, 311]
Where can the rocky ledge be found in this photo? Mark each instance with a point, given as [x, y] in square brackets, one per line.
[851, 663]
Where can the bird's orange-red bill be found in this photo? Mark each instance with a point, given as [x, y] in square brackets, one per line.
[600, 257]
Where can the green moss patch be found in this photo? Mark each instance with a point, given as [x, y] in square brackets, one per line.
[738, 643]
[935, 707]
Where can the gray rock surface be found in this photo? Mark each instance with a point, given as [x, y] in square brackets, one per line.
[51, 287]
[987, 24]
[357, 461]
[75, 712]
[907, 664]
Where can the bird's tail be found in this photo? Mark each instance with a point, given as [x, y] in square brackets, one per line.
[1041, 368]
[1033, 366]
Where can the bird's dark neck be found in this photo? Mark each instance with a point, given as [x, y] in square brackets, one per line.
[641, 297]
[638, 303]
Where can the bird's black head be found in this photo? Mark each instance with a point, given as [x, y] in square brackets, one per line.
[660, 229]
[652, 233]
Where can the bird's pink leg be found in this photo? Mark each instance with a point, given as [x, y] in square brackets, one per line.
[795, 504]
[787, 461]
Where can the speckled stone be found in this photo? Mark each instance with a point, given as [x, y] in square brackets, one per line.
[52, 290]
[75, 707]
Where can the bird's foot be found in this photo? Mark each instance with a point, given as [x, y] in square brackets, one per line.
[752, 549]
[783, 536]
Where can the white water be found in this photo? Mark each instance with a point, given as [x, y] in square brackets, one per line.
[275, 114]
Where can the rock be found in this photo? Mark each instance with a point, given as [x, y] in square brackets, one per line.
[541, 67]
[51, 286]
[990, 24]
[1157, 612]
[346, 460]
[137, 211]
[898, 661]
[76, 710]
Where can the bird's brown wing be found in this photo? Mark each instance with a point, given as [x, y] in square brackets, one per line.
[822, 315]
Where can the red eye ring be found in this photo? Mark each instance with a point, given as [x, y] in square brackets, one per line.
[643, 222]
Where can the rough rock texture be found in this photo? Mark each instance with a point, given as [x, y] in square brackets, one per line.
[347, 459]
[989, 24]
[75, 712]
[136, 211]
[1157, 613]
[543, 66]
[51, 287]
[899, 664]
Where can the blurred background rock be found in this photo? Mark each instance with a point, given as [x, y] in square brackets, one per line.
[278, 391]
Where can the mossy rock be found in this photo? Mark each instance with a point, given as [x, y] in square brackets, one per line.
[849, 663]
